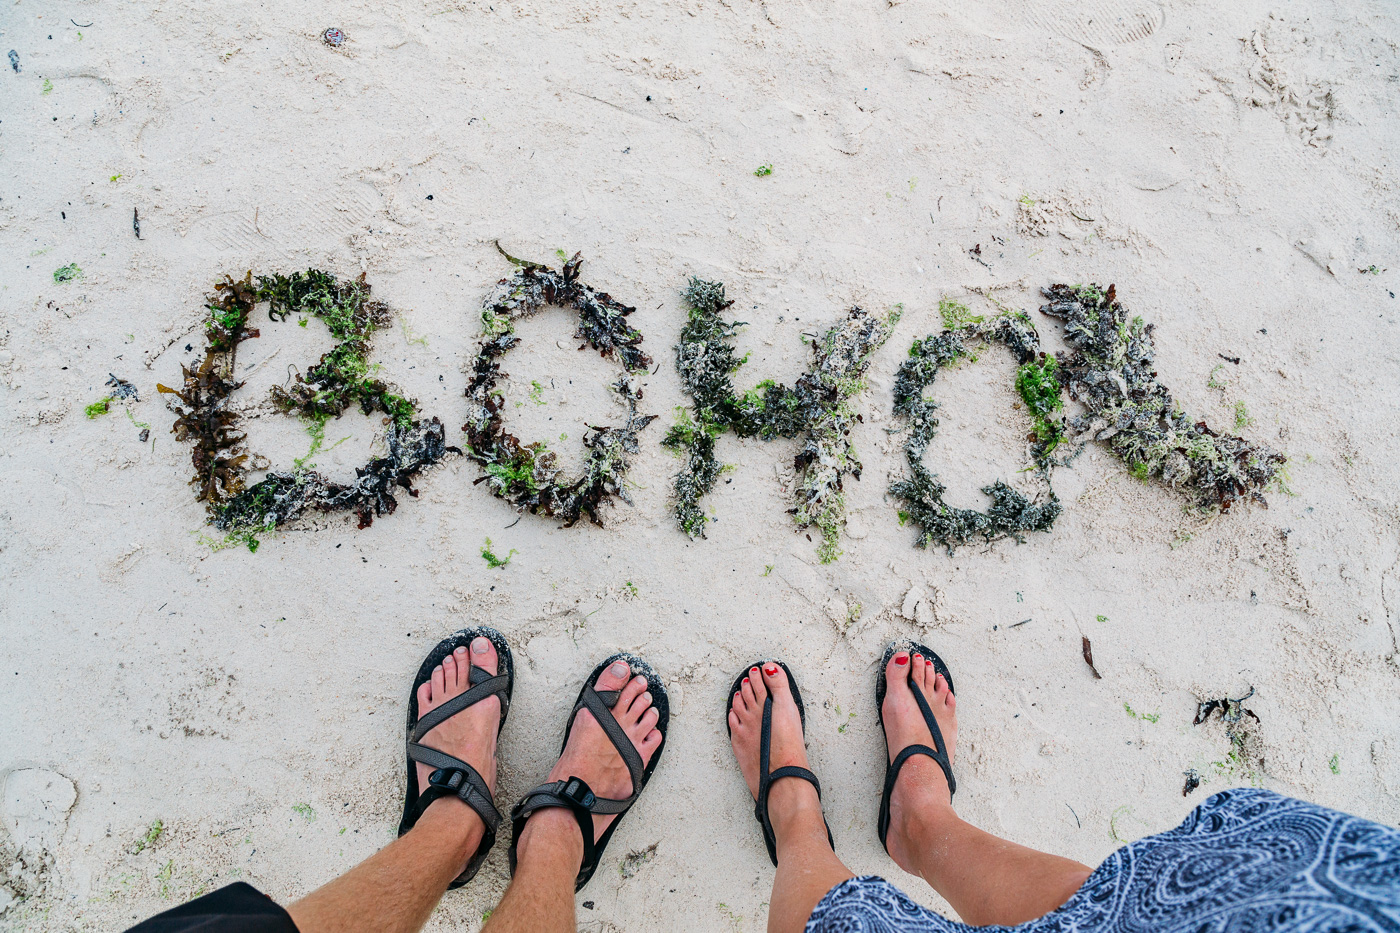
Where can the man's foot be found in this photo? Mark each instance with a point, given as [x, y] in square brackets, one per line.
[788, 796]
[471, 734]
[589, 753]
[921, 791]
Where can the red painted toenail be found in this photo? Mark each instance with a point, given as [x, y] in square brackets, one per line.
[770, 671]
[746, 680]
[901, 660]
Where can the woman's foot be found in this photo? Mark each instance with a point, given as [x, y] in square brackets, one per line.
[471, 734]
[788, 797]
[589, 753]
[921, 792]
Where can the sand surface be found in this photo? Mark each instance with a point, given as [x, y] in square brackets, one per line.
[1229, 166]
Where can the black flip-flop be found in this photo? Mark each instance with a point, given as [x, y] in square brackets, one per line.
[766, 777]
[938, 754]
[573, 793]
[454, 777]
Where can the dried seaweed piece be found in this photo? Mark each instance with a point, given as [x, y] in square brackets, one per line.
[343, 376]
[817, 406]
[526, 474]
[1193, 781]
[1110, 370]
[1011, 514]
[284, 495]
[121, 389]
[1246, 756]
[229, 309]
[1088, 651]
[823, 396]
[1230, 710]
[205, 419]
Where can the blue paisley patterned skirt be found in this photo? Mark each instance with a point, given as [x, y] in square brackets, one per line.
[1245, 860]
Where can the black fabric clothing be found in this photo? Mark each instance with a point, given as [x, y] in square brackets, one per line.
[236, 908]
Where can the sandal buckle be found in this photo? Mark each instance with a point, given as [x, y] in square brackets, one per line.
[449, 778]
[577, 792]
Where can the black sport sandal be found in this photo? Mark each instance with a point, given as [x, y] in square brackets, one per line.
[573, 793]
[454, 777]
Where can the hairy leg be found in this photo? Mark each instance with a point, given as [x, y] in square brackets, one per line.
[540, 898]
[986, 879]
[807, 868]
[394, 890]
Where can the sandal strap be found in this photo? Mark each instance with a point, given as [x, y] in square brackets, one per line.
[941, 755]
[483, 685]
[454, 777]
[572, 794]
[767, 778]
[600, 703]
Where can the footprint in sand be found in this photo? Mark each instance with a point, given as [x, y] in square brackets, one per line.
[1096, 24]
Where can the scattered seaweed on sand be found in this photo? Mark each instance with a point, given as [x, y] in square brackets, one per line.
[205, 416]
[1110, 370]
[121, 389]
[68, 273]
[1087, 650]
[1231, 711]
[494, 560]
[1245, 759]
[527, 475]
[285, 494]
[1011, 513]
[818, 407]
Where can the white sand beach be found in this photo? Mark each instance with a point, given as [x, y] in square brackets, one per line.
[1229, 167]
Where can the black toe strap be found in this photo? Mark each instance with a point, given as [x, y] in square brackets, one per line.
[940, 754]
[483, 685]
[600, 704]
[766, 779]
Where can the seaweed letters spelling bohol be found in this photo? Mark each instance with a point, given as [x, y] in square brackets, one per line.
[343, 377]
[1108, 373]
[820, 407]
[526, 474]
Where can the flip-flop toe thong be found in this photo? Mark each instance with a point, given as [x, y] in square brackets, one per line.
[453, 777]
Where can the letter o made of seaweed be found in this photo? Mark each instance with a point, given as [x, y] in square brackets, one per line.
[341, 378]
[526, 474]
[1011, 514]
